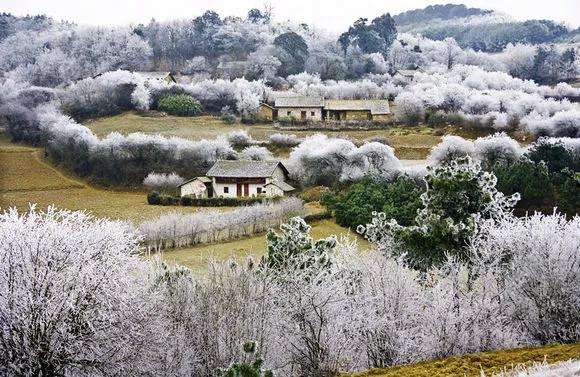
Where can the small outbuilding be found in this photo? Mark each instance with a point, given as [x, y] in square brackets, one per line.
[355, 109]
[199, 187]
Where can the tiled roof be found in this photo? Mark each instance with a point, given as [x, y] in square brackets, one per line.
[281, 185]
[299, 102]
[201, 179]
[376, 106]
[244, 168]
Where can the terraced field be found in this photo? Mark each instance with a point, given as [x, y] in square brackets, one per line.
[410, 142]
[25, 177]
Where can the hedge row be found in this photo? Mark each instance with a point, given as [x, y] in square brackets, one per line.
[155, 198]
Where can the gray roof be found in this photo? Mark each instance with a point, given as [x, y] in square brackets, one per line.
[299, 102]
[244, 168]
[375, 106]
[281, 185]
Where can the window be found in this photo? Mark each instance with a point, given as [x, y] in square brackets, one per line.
[312, 113]
[289, 113]
[259, 190]
[226, 190]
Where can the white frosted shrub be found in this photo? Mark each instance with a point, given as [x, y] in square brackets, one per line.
[320, 160]
[256, 153]
[74, 297]
[497, 149]
[284, 140]
[239, 138]
[163, 181]
[372, 159]
[180, 230]
[450, 148]
[409, 109]
[141, 98]
[543, 273]
[566, 123]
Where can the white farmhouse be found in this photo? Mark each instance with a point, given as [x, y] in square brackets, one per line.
[240, 178]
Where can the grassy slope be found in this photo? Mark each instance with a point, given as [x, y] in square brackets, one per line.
[26, 178]
[409, 142]
[472, 365]
[197, 257]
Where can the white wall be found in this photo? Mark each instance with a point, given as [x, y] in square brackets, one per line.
[218, 190]
[295, 112]
[253, 190]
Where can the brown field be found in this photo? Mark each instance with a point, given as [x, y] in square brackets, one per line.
[410, 142]
[26, 178]
[472, 365]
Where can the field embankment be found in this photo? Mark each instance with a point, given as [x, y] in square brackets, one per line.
[25, 177]
[473, 364]
[409, 142]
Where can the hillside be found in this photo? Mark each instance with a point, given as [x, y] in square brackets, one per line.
[437, 12]
[479, 29]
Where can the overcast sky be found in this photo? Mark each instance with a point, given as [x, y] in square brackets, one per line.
[334, 15]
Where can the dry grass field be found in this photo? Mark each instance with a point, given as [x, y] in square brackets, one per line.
[26, 178]
[410, 142]
[197, 257]
[487, 362]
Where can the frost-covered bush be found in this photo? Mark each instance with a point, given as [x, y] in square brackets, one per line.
[256, 153]
[409, 109]
[239, 94]
[372, 159]
[491, 99]
[240, 138]
[497, 149]
[75, 297]
[451, 148]
[543, 273]
[141, 98]
[320, 160]
[284, 140]
[72, 284]
[163, 181]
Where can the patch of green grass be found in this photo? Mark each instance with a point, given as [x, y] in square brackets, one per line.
[197, 257]
[472, 364]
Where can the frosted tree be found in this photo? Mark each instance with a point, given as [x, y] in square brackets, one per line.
[459, 197]
[256, 153]
[163, 181]
[74, 298]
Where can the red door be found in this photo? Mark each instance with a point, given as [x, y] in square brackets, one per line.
[246, 189]
[239, 189]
